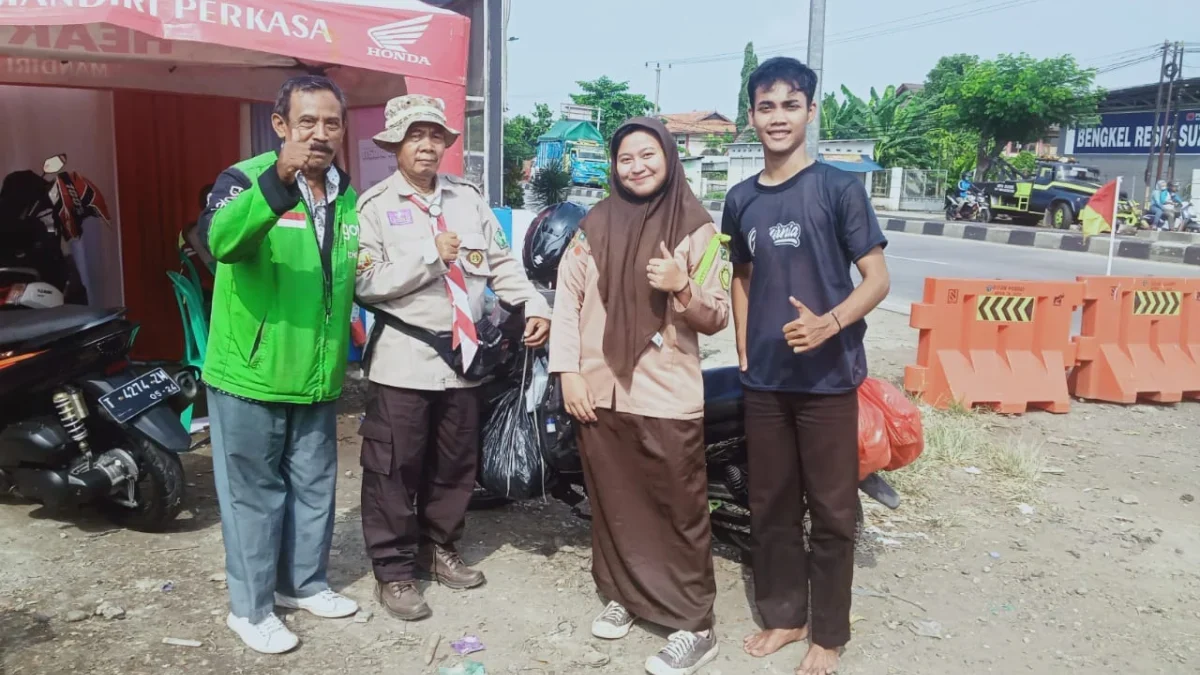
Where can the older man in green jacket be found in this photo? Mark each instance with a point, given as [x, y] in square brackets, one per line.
[283, 229]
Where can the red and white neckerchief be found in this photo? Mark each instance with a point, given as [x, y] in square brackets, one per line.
[463, 331]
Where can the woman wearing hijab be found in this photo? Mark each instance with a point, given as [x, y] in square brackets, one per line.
[646, 274]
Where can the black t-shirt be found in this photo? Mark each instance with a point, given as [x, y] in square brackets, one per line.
[802, 236]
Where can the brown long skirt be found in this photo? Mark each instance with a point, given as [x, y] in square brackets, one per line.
[651, 536]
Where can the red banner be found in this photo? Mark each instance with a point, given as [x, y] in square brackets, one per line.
[428, 43]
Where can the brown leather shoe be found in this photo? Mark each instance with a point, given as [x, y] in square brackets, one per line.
[402, 599]
[448, 569]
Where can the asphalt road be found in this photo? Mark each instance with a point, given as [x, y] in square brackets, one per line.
[912, 257]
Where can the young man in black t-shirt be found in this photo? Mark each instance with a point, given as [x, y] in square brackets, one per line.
[795, 229]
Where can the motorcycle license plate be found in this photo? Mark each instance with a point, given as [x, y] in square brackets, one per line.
[138, 396]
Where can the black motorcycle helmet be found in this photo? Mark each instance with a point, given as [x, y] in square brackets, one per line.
[547, 240]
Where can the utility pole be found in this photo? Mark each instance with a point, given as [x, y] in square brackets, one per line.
[1162, 74]
[1172, 74]
[657, 82]
[1178, 109]
[816, 61]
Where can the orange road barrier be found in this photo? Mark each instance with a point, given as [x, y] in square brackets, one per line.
[1140, 339]
[1001, 344]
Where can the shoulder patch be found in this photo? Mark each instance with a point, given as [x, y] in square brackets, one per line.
[501, 239]
[726, 275]
[365, 261]
[579, 245]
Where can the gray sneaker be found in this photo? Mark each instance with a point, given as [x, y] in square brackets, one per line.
[613, 623]
[685, 653]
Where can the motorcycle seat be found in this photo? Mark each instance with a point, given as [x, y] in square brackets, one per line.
[23, 325]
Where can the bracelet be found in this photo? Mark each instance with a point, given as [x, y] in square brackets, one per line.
[835, 320]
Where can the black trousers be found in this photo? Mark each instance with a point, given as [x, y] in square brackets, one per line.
[420, 452]
[803, 451]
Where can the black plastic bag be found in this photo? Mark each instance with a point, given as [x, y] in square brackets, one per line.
[513, 465]
[557, 429]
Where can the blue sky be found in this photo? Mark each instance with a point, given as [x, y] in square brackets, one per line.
[868, 42]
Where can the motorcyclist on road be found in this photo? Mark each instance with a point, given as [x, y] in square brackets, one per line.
[965, 184]
[1159, 199]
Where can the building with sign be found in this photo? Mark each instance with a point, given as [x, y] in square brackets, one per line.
[1121, 143]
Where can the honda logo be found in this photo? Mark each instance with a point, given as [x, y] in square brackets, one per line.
[392, 39]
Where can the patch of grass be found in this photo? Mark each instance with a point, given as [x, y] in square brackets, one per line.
[957, 438]
[1018, 466]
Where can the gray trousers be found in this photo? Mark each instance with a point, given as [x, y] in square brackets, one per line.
[275, 466]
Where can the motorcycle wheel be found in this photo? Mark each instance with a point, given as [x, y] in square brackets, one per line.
[158, 491]
[984, 215]
[951, 213]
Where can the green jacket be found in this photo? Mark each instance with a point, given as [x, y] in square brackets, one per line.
[281, 306]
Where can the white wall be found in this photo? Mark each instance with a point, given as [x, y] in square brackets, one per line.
[42, 121]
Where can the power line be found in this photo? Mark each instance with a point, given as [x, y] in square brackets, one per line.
[868, 31]
[934, 22]
[788, 46]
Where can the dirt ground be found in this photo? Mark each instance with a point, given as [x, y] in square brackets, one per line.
[1039, 543]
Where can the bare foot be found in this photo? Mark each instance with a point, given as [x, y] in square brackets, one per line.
[772, 640]
[819, 661]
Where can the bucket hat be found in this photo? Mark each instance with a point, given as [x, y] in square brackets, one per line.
[404, 111]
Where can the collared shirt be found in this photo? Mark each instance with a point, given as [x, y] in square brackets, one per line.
[429, 252]
[318, 208]
[667, 381]
[400, 272]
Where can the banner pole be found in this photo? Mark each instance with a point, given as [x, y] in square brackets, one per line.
[1112, 229]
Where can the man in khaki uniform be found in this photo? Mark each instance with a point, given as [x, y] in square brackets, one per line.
[429, 247]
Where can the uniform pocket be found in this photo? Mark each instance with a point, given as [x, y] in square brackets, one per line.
[256, 347]
[377, 447]
[473, 255]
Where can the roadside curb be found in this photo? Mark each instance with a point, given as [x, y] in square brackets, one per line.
[1054, 240]
[1135, 249]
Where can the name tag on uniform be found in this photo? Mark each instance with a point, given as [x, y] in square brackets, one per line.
[401, 217]
[657, 340]
[294, 219]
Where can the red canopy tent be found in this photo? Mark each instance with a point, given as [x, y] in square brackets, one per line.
[180, 70]
[229, 47]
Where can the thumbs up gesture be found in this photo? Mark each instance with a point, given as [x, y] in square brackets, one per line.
[808, 331]
[665, 273]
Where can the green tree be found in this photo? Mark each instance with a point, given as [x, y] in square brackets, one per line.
[1024, 161]
[952, 150]
[897, 123]
[948, 71]
[615, 102]
[749, 63]
[520, 144]
[714, 144]
[841, 120]
[1017, 99]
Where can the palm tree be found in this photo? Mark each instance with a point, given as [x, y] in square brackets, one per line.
[841, 120]
[898, 123]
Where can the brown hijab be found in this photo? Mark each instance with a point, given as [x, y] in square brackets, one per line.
[624, 232]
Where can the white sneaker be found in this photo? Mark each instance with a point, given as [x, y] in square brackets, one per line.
[613, 623]
[326, 604]
[268, 636]
[684, 654]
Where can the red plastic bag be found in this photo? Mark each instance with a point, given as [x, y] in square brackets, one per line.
[902, 420]
[874, 449]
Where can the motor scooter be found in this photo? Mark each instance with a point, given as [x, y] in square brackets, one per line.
[78, 425]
